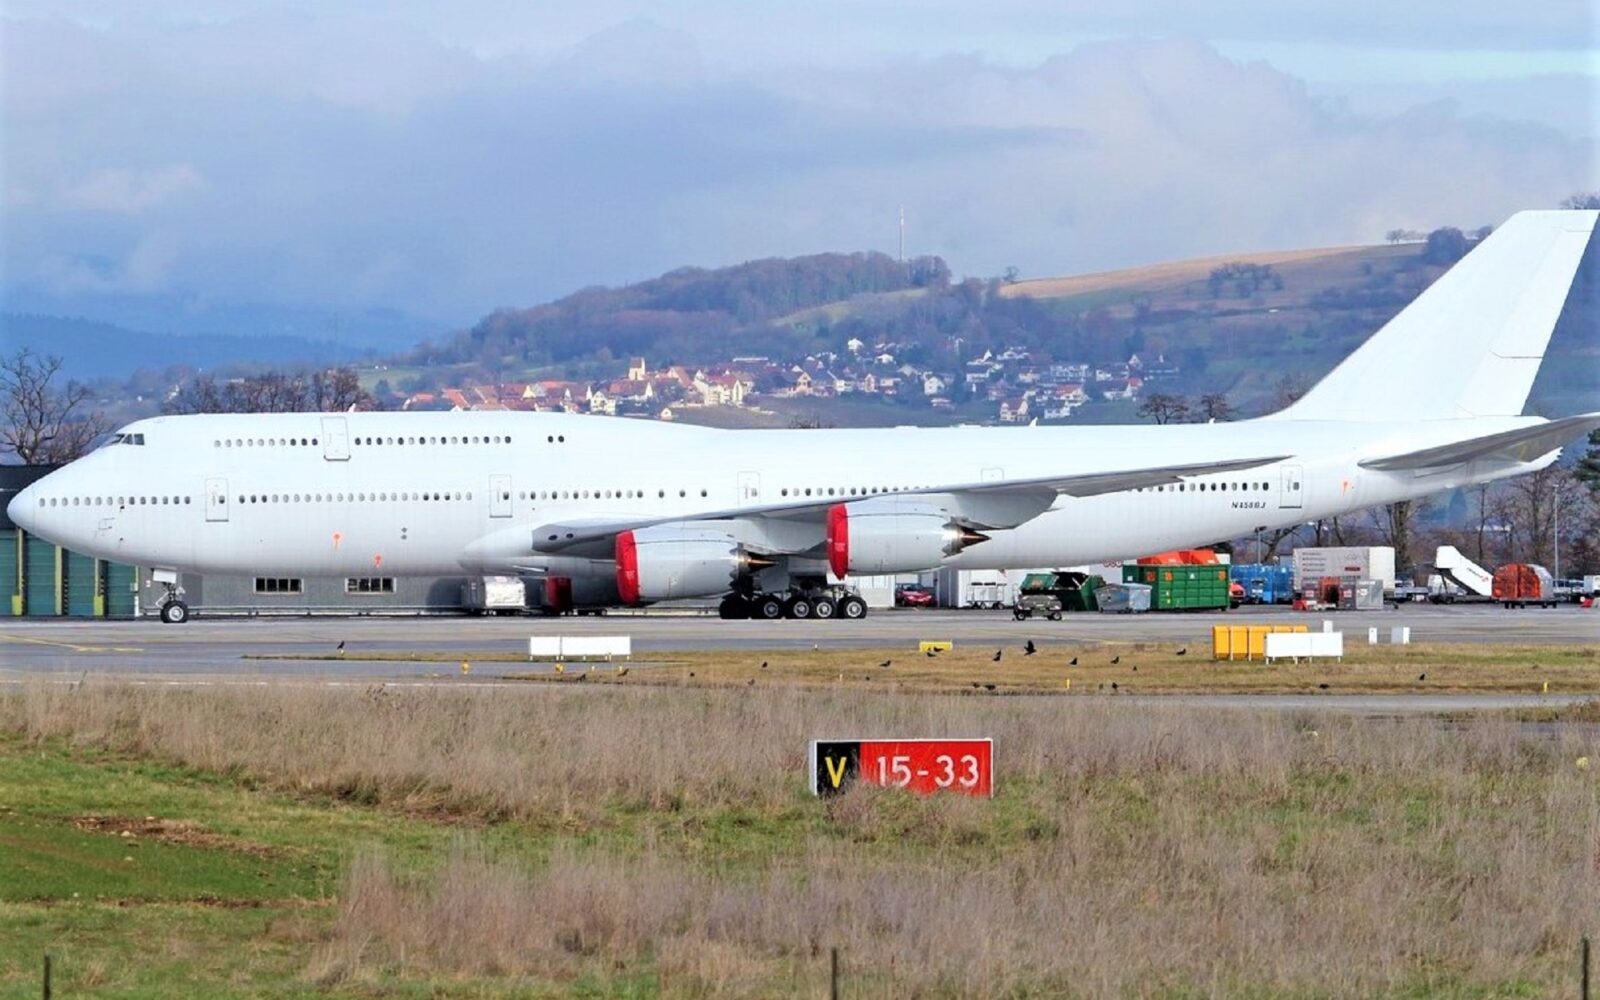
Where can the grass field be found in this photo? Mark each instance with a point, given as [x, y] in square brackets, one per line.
[659, 841]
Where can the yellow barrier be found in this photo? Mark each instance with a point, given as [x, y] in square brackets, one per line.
[941, 646]
[1245, 642]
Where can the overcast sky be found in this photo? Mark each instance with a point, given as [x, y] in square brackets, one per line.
[447, 158]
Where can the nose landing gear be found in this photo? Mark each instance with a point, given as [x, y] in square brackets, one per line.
[173, 610]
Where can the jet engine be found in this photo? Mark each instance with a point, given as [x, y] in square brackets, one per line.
[668, 562]
[888, 535]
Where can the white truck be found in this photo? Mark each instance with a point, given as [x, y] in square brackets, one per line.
[1366, 562]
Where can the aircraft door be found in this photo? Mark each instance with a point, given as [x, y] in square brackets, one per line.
[1291, 486]
[749, 489]
[216, 499]
[335, 439]
[499, 496]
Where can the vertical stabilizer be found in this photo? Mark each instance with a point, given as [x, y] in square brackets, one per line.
[1471, 344]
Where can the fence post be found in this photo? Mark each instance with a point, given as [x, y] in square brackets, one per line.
[833, 971]
[47, 976]
[1583, 981]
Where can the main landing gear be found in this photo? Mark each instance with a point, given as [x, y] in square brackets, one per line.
[823, 603]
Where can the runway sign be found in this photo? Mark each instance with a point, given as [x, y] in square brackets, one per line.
[923, 766]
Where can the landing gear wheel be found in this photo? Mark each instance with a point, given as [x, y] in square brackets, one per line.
[824, 607]
[733, 608]
[174, 612]
[797, 607]
[768, 607]
[852, 607]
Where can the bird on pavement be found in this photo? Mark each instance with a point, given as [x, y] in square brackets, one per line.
[997, 654]
[340, 647]
[1029, 649]
[885, 663]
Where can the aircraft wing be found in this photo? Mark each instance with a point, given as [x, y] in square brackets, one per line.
[1030, 497]
[1521, 445]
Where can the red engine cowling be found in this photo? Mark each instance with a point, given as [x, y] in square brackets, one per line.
[886, 535]
[665, 563]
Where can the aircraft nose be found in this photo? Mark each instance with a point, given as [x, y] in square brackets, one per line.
[21, 509]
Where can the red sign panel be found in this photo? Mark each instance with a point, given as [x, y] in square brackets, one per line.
[924, 766]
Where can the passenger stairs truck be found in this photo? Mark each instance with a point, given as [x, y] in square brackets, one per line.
[1475, 581]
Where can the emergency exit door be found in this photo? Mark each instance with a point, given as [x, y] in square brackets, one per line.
[499, 496]
[216, 499]
[335, 439]
[1291, 487]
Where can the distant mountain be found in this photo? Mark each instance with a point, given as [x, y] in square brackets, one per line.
[379, 329]
[91, 349]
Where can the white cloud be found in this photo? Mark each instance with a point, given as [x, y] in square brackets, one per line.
[357, 160]
[131, 190]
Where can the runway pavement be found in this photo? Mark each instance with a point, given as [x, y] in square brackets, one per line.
[223, 647]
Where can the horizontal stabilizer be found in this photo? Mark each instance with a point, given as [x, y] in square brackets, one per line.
[1039, 491]
[1511, 447]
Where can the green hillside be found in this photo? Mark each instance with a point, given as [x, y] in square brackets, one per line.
[1251, 325]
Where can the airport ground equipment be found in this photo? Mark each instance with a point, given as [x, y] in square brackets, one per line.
[560, 648]
[1457, 569]
[1182, 587]
[494, 595]
[1264, 583]
[1052, 593]
[1246, 642]
[1517, 585]
[1364, 562]
[1307, 645]
[1123, 598]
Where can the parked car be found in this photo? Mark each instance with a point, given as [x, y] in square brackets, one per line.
[913, 595]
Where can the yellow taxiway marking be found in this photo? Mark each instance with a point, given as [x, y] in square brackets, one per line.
[70, 645]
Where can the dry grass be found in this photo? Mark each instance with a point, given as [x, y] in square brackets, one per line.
[1130, 852]
[1145, 668]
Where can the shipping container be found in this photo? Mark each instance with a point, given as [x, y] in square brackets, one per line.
[1364, 562]
[1182, 587]
[494, 595]
[1123, 598]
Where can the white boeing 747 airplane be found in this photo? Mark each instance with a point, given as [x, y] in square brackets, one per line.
[612, 511]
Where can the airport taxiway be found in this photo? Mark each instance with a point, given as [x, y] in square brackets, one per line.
[225, 647]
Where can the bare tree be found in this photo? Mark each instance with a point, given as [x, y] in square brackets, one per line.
[1583, 199]
[331, 391]
[44, 424]
[1396, 527]
[1288, 390]
[1165, 408]
[1215, 406]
